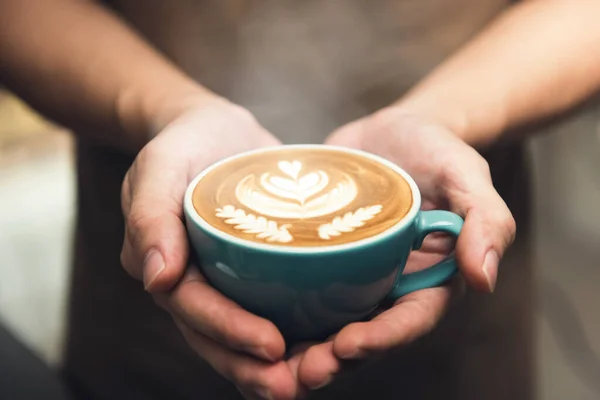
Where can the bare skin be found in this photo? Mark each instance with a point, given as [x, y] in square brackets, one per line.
[536, 60]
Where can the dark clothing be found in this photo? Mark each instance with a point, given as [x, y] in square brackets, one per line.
[303, 68]
[23, 376]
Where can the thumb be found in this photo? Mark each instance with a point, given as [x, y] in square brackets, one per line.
[155, 249]
[489, 229]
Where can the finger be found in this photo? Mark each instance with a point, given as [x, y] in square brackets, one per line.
[296, 354]
[207, 311]
[318, 366]
[485, 237]
[489, 227]
[155, 247]
[411, 317]
[255, 378]
[294, 359]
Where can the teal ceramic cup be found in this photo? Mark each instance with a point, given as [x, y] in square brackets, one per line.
[312, 292]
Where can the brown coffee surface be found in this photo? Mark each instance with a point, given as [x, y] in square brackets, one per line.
[302, 197]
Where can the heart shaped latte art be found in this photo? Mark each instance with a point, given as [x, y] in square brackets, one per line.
[300, 189]
[292, 195]
[291, 169]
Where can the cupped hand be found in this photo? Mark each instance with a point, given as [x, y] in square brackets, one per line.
[240, 346]
[451, 175]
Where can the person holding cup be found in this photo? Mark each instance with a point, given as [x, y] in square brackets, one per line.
[435, 88]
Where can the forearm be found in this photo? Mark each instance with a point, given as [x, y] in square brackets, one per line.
[538, 59]
[80, 65]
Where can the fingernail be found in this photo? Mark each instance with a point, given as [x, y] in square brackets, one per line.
[323, 384]
[154, 265]
[490, 269]
[354, 354]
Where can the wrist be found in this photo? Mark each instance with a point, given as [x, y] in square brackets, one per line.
[143, 113]
[198, 108]
[432, 111]
[475, 130]
[176, 104]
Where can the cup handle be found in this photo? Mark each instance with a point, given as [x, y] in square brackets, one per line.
[438, 274]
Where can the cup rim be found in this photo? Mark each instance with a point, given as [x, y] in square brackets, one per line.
[410, 216]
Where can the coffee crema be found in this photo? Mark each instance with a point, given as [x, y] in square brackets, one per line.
[302, 196]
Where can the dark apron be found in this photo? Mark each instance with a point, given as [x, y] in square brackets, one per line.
[303, 68]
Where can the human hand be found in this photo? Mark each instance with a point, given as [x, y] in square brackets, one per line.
[240, 346]
[451, 175]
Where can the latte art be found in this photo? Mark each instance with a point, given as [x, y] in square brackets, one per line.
[295, 196]
[302, 196]
[248, 223]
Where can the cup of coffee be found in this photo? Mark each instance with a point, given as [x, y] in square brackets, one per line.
[311, 237]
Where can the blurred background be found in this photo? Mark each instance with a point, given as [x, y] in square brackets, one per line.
[37, 195]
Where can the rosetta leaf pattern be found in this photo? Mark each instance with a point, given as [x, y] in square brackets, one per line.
[348, 222]
[251, 224]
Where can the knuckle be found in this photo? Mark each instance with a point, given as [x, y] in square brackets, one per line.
[230, 114]
[454, 175]
[148, 152]
[452, 181]
[510, 226]
[381, 122]
[128, 261]
[377, 121]
[504, 223]
[125, 193]
[483, 166]
[244, 115]
[135, 223]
